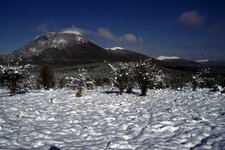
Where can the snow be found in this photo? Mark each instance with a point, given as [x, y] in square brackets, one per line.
[165, 119]
[32, 49]
[115, 48]
[58, 42]
[167, 57]
[37, 37]
[201, 61]
[62, 41]
[72, 31]
[81, 39]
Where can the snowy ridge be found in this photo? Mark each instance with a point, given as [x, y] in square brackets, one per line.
[115, 48]
[165, 119]
[167, 57]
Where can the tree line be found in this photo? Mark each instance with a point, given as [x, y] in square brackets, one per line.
[145, 74]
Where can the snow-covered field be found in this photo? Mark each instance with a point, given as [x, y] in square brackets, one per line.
[165, 119]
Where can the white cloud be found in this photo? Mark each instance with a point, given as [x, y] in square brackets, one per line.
[105, 33]
[126, 38]
[191, 19]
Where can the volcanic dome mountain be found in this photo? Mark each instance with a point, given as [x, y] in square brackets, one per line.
[67, 48]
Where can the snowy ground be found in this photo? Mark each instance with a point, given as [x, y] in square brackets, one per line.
[165, 119]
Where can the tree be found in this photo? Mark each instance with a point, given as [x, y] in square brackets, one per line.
[123, 76]
[144, 73]
[148, 75]
[194, 83]
[80, 81]
[131, 83]
[84, 82]
[46, 78]
[222, 83]
[203, 79]
[121, 80]
[15, 77]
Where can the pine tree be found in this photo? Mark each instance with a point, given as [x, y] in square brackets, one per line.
[46, 78]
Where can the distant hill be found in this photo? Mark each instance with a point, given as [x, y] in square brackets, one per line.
[122, 54]
[175, 62]
[211, 63]
[69, 48]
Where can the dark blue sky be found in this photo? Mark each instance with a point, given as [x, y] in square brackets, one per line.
[192, 29]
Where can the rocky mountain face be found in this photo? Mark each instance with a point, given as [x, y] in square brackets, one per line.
[67, 48]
